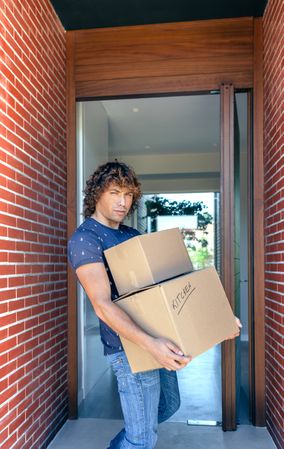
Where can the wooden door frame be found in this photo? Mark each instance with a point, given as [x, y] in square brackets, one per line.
[227, 249]
[184, 85]
[72, 314]
[257, 332]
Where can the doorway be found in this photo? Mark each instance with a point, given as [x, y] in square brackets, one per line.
[173, 143]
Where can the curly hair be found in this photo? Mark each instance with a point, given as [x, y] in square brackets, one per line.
[110, 173]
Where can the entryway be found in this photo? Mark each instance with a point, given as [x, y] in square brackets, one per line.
[174, 145]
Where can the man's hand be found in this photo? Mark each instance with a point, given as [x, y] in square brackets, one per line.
[239, 324]
[168, 354]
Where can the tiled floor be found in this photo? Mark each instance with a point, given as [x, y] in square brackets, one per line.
[90, 433]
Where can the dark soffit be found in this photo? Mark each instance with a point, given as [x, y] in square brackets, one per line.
[83, 14]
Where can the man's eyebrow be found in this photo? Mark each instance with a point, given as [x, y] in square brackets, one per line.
[118, 189]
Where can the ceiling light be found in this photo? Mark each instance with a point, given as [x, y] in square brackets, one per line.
[135, 109]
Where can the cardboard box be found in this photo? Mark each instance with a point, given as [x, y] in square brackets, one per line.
[191, 310]
[147, 259]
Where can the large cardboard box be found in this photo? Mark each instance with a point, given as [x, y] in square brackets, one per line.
[148, 259]
[191, 310]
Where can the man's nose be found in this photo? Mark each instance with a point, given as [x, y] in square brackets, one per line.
[122, 200]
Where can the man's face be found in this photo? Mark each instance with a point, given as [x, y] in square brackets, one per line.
[113, 205]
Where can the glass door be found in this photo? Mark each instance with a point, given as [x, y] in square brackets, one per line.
[173, 156]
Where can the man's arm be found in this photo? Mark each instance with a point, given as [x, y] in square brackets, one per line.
[94, 279]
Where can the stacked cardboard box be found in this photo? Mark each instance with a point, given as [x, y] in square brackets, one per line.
[163, 294]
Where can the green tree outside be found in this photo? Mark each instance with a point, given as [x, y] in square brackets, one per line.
[196, 240]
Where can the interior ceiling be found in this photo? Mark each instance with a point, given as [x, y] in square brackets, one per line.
[168, 125]
[82, 14]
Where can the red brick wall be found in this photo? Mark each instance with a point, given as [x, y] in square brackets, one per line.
[273, 29]
[33, 304]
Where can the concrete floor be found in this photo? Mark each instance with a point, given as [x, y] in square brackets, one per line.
[199, 384]
[91, 433]
[100, 413]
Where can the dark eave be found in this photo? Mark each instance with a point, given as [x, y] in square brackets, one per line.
[83, 14]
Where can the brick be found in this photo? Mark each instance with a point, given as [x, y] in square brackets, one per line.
[7, 369]
[273, 186]
[9, 443]
[3, 436]
[7, 394]
[20, 443]
[6, 320]
[8, 344]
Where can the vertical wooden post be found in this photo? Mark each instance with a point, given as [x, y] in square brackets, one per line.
[258, 334]
[227, 245]
[71, 225]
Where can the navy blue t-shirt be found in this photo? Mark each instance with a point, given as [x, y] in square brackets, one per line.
[87, 245]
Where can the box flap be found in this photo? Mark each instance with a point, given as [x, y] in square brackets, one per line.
[147, 259]
[148, 287]
[166, 254]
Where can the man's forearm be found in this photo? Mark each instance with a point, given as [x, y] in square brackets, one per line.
[163, 350]
[122, 323]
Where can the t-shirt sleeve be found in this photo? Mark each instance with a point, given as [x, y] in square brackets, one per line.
[84, 247]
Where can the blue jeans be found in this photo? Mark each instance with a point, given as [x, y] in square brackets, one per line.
[147, 399]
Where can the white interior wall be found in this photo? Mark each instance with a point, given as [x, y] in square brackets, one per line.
[92, 150]
[180, 163]
[180, 185]
[95, 137]
[176, 172]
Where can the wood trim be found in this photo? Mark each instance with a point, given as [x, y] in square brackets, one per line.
[71, 225]
[163, 58]
[250, 248]
[227, 245]
[258, 404]
[161, 85]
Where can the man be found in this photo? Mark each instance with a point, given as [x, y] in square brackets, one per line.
[112, 192]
